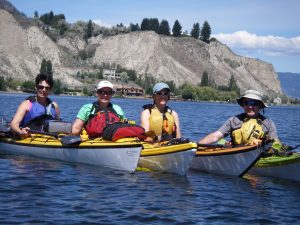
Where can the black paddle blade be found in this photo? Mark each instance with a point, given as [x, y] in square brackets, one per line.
[69, 140]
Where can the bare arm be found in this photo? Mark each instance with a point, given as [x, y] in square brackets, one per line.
[176, 118]
[145, 120]
[18, 117]
[211, 138]
[77, 126]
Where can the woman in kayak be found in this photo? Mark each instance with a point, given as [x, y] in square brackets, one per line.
[32, 112]
[95, 116]
[250, 127]
[158, 118]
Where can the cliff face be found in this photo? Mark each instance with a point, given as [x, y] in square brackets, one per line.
[22, 50]
[183, 59]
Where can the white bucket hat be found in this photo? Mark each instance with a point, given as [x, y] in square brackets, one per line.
[252, 94]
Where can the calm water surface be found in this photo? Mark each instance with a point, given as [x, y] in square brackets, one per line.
[37, 191]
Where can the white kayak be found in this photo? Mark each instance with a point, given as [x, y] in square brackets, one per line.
[122, 155]
[235, 161]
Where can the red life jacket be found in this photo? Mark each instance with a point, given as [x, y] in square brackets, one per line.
[100, 119]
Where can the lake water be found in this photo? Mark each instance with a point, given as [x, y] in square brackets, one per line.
[37, 191]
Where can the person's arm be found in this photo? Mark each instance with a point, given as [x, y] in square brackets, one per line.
[77, 126]
[211, 138]
[272, 133]
[145, 124]
[176, 118]
[145, 119]
[17, 119]
[57, 110]
[81, 118]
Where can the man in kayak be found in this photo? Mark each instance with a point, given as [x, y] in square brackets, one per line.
[32, 112]
[250, 127]
[160, 118]
[95, 116]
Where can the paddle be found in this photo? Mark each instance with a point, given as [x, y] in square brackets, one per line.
[70, 139]
[6, 130]
[211, 145]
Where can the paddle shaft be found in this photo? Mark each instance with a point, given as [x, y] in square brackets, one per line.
[210, 145]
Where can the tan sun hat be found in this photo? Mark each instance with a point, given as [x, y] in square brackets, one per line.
[252, 94]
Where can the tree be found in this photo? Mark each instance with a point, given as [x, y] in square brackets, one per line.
[46, 67]
[2, 84]
[195, 33]
[88, 31]
[153, 24]
[177, 29]
[164, 28]
[205, 79]
[36, 14]
[124, 77]
[134, 27]
[57, 87]
[145, 24]
[28, 85]
[188, 92]
[205, 32]
[232, 85]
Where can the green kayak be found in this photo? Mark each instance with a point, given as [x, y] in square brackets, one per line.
[286, 167]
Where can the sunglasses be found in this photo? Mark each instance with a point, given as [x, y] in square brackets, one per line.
[104, 92]
[163, 93]
[251, 103]
[41, 87]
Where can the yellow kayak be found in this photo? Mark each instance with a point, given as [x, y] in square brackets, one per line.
[173, 158]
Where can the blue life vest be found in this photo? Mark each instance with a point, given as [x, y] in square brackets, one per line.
[38, 113]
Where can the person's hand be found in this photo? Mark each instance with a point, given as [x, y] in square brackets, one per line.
[149, 140]
[25, 132]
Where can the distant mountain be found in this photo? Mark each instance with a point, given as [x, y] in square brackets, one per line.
[290, 83]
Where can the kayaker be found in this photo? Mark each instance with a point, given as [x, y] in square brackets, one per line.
[250, 127]
[35, 109]
[159, 118]
[95, 116]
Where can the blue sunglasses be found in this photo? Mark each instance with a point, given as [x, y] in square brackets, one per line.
[251, 103]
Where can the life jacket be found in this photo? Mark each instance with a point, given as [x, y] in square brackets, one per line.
[38, 114]
[161, 123]
[250, 131]
[100, 119]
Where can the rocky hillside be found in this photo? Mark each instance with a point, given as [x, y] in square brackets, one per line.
[183, 59]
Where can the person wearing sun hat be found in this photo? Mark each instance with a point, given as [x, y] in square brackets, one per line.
[107, 112]
[158, 117]
[249, 127]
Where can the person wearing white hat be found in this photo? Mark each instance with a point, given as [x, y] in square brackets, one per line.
[160, 118]
[95, 116]
[249, 127]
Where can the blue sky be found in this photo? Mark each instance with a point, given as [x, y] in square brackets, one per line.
[265, 29]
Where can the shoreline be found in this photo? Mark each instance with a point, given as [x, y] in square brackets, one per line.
[141, 97]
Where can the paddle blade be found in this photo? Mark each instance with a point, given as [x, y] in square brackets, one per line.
[69, 140]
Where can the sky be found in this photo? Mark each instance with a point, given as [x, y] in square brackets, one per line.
[268, 30]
